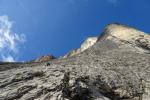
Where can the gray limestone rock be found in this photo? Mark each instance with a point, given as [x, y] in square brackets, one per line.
[116, 67]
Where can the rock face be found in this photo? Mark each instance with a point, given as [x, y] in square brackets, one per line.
[88, 43]
[127, 34]
[44, 58]
[85, 45]
[116, 67]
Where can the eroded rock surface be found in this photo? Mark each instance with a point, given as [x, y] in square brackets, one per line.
[85, 45]
[44, 58]
[116, 67]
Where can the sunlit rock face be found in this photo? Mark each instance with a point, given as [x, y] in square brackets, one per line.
[126, 33]
[115, 67]
[119, 32]
[44, 58]
[85, 45]
[88, 43]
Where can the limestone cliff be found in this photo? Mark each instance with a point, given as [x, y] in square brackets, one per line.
[127, 35]
[85, 45]
[44, 58]
[116, 67]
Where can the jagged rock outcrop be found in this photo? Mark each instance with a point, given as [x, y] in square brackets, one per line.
[116, 67]
[44, 58]
[85, 45]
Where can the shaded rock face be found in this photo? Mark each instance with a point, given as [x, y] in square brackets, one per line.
[116, 67]
[44, 58]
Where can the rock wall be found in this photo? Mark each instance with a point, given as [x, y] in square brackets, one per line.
[44, 58]
[112, 69]
[85, 45]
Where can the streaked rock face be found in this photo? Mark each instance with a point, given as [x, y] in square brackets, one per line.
[116, 67]
[127, 35]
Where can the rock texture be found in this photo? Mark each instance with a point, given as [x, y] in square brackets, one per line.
[116, 67]
[44, 58]
[85, 45]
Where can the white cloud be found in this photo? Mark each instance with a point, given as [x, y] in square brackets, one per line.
[8, 59]
[9, 40]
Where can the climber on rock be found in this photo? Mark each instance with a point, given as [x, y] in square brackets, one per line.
[48, 64]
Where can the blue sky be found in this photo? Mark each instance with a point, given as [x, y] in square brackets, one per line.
[31, 28]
